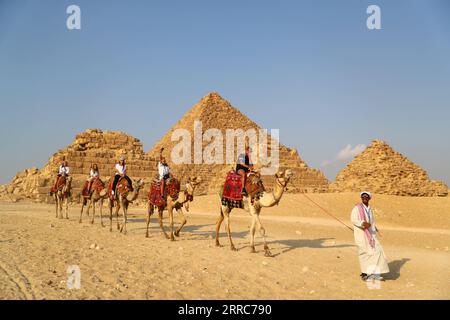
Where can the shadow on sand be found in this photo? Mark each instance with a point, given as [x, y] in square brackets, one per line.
[394, 267]
[291, 244]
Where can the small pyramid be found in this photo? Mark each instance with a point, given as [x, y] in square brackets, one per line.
[381, 169]
[215, 112]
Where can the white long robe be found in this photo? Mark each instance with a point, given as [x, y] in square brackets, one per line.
[371, 260]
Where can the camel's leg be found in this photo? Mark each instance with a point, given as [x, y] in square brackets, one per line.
[117, 214]
[150, 210]
[252, 234]
[88, 206]
[110, 205]
[170, 209]
[125, 217]
[218, 223]
[160, 218]
[182, 221]
[60, 204]
[56, 205]
[100, 203]
[93, 210]
[66, 202]
[81, 212]
[227, 224]
[262, 231]
[125, 212]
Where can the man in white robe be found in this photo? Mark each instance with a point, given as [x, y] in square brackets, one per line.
[371, 255]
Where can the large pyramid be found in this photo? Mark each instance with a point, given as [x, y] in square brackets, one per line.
[91, 146]
[215, 112]
[383, 170]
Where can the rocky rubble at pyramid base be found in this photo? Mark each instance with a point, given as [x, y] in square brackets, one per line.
[92, 146]
[435, 189]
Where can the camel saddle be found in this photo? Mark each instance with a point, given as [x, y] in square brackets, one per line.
[232, 189]
[172, 188]
[122, 187]
[96, 185]
[60, 183]
[254, 185]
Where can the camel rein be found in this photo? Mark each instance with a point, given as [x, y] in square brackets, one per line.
[283, 186]
[326, 211]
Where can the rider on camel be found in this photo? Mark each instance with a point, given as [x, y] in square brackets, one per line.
[121, 172]
[94, 173]
[62, 171]
[244, 166]
[163, 171]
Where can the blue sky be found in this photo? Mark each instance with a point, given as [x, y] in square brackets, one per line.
[310, 68]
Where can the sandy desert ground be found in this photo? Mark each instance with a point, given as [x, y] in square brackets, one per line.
[314, 256]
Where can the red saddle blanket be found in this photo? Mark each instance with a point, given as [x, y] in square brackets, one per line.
[122, 186]
[232, 189]
[171, 188]
[97, 185]
[154, 195]
[60, 183]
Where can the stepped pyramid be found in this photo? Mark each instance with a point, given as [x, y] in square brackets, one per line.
[91, 146]
[381, 169]
[215, 112]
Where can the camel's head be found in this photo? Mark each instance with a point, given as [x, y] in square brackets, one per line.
[288, 173]
[192, 183]
[284, 176]
[195, 180]
[140, 183]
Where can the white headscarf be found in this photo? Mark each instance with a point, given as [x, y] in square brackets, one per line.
[366, 192]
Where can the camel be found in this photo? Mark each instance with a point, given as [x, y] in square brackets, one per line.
[98, 193]
[122, 198]
[177, 204]
[62, 195]
[268, 199]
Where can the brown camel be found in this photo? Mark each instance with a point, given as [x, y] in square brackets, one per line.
[122, 198]
[268, 199]
[98, 193]
[62, 195]
[177, 204]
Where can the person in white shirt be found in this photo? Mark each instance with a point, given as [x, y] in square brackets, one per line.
[93, 174]
[372, 259]
[62, 171]
[163, 171]
[121, 172]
